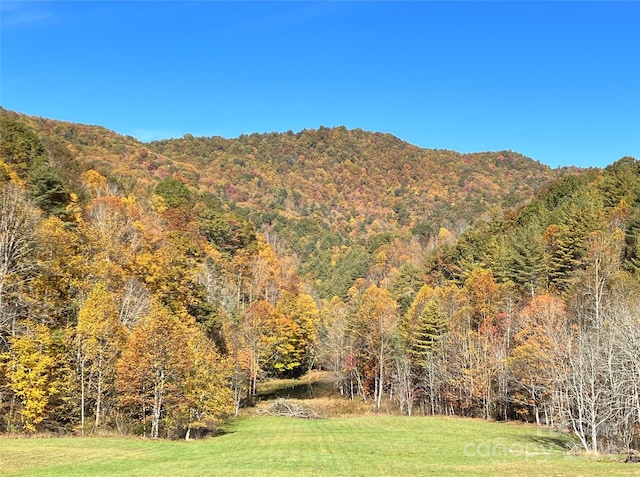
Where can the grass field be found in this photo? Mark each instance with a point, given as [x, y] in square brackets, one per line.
[281, 446]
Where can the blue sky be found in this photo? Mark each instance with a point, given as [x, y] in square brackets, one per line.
[556, 81]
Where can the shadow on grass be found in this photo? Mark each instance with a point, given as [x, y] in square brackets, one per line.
[546, 441]
[312, 386]
[551, 442]
[229, 427]
[297, 391]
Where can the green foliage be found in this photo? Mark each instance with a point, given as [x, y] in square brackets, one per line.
[622, 182]
[378, 240]
[19, 144]
[336, 279]
[49, 189]
[631, 250]
[423, 326]
[228, 232]
[526, 266]
[405, 285]
[542, 245]
[174, 193]
[213, 226]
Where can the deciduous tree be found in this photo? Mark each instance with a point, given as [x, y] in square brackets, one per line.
[376, 324]
[99, 339]
[153, 366]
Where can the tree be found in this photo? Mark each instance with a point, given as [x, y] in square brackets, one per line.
[135, 302]
[99, 339]
[112, 238]
[259, 323]
[424, 324]
[214, 227]
[625, 316]
[169, 271]
[422, 330]
[564, 239]
[174, 193]
[18, 223]
[376, 324]
[265, 273]
[207, 394]
[153, 366]
[597, 385]
[20, 146]
[631, 251]
[50, 191]
[483, 295]
[404, 287]
[526, 257]
[532, 361]
[622, 182]
[95, 183]
[30, 369]
[602, 260]
[62, 269]
[302, 311]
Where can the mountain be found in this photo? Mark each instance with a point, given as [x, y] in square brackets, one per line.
[548, 243]
[473, 284]
[314, 194]
[357, 182]
[349, 183]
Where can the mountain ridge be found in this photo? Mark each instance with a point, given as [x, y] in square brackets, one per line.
[331, 174]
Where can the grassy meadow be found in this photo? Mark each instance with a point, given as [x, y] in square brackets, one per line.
[282, 446]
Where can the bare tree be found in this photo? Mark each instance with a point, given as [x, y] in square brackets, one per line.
[134, 304]
[18, 221]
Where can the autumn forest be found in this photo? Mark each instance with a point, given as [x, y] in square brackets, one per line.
[150, 288]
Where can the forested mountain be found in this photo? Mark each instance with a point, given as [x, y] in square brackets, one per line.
[358, 183]
[150, 287]
[318, 197]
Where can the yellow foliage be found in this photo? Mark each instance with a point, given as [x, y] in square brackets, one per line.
[30, 367]
[381, 255]
[159, 203]
[95, 183]
[444, 235]
[13, 177]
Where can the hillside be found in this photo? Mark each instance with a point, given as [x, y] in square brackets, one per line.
[359, 182]
[318, 196]
[153, 287]
[544, 244]
[349, 180]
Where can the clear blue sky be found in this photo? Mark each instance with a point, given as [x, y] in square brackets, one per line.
[556, 81]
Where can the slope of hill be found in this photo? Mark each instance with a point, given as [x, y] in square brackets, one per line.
[546, 244]
[349, 180]
[315, 192]
[359, 182]
[272, 254]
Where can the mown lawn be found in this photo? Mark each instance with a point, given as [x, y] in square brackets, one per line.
[281, 446]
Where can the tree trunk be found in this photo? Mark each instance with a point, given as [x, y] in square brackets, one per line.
[98, 393]
[380, 379]
[157, 404]
[82, 398]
